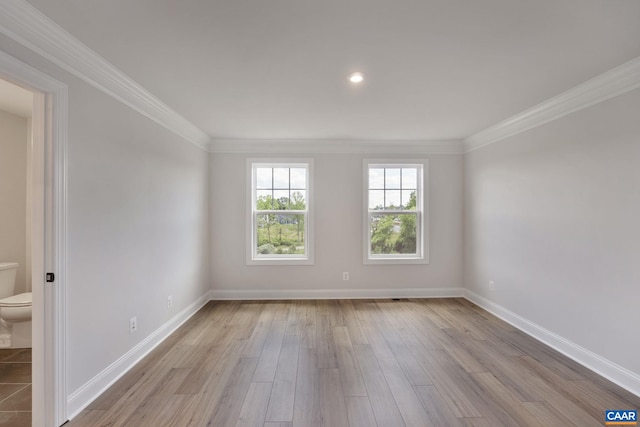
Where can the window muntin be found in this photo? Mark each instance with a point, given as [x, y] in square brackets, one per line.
[393, 188]
[394, 212]
[280, 212]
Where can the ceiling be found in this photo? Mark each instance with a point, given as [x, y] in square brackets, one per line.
[435, 69]
[15, 100]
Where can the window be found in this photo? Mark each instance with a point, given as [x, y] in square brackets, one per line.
[280, 212]
[394, 223]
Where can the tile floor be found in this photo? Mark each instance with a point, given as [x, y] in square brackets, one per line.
[15, 387]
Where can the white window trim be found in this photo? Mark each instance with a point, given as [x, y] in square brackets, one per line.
[422, 223]
[251, 258]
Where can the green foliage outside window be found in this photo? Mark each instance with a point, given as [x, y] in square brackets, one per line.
[394, 233]
[281, 233]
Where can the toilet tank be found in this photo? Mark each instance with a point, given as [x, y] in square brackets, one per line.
[8, 278]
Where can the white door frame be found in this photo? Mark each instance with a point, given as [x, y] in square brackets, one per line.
[49, 206]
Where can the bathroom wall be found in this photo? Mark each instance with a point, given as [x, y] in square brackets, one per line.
[13, 193]
[27, 263]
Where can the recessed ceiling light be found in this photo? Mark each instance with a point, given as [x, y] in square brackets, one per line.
[356, 77]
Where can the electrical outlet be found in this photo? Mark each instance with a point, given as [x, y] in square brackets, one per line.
[133, 325]
[169, 301]
[492, 286]
[345, 275]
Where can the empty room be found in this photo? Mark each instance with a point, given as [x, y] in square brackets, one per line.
[319, 213]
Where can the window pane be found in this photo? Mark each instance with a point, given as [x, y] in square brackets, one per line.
[280, 234]
[392, 178]
[280, 177]
[376, 199]
[298, 199]
[280, 199]
[392, 199]
[376, 178]
[392, 234]
[263, 177]
[298, 178]
[264, 200]
[409, 199]
[409, 178]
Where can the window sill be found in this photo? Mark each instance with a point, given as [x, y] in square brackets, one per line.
[396, 261]
[280, 261]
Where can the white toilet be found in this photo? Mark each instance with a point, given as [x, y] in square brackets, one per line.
[15, 310]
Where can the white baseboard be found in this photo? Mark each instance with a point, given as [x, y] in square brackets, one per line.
[269, 294]
[598, 364]
[82, 397]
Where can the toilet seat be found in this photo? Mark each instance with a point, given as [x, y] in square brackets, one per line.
[16, 308]
[19, 300]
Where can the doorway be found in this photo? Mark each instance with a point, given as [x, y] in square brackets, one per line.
[47, 240]
[16, 112]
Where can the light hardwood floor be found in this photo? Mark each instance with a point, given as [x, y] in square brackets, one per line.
[440, 362]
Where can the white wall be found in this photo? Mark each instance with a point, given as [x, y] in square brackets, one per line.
[138, 229]
[338, 231]
[552, 216]
[13, 194]
[137, 224]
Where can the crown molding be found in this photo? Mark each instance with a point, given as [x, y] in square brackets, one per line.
[612, 83]
[26, 25]
[335, 146]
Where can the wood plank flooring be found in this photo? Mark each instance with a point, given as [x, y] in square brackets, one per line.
[438, 362]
